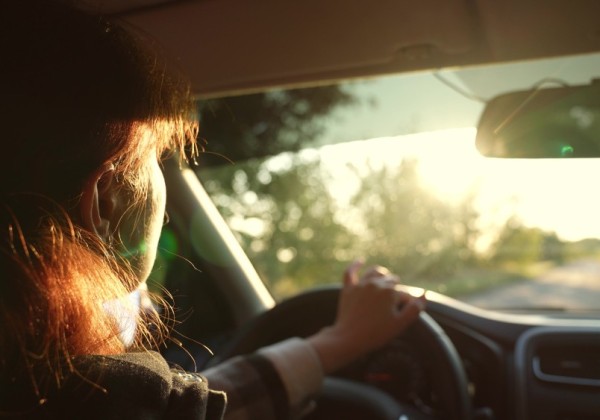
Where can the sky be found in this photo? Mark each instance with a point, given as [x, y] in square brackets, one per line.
[552, 194]
[418, 102]
[555, 195]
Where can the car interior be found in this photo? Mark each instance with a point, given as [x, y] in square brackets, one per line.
[455, 142]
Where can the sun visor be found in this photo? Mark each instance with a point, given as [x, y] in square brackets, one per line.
[231, 45]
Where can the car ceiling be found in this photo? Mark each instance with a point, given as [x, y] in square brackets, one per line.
[231, 46]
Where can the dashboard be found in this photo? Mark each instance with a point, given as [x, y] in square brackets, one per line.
[518, 366]
[557, 373]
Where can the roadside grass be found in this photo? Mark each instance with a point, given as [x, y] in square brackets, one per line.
[466, 282]
[470, 281]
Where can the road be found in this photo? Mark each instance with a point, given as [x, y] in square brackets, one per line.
[575, 286]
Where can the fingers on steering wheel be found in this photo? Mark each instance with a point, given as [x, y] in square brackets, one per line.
[409, 311]
[409, 308]
[376, 272]
[351, 277]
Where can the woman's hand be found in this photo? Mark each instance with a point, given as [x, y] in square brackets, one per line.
[370, 313]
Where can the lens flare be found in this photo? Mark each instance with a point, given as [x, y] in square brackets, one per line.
[168, 245]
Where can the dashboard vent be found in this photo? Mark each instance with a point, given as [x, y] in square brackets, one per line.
[577, 365]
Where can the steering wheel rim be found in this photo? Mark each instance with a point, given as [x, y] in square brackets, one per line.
[307, 313]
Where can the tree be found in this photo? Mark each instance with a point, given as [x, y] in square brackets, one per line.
[265, 124]
[553, 248]
[408, 228]
[284, 203]
[298, 240]
[518, 244]
[301, 237]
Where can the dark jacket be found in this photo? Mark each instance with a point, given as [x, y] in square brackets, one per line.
[129, 386]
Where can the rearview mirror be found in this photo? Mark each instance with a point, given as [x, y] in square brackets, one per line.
[560, 122]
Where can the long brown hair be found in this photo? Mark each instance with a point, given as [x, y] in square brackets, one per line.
[76, 91]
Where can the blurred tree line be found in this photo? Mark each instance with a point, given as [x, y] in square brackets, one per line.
[292, 225]
[521, 245]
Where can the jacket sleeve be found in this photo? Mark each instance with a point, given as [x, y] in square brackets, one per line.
[277, 382]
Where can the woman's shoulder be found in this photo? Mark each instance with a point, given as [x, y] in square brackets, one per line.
[138, 385]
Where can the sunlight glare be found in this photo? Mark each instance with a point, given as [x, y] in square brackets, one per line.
[552, 194]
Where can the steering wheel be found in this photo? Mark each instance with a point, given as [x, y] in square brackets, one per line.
[307, 313]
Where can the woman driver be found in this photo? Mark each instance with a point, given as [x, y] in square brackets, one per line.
[87, 113]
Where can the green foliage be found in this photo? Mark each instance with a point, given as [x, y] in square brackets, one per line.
[298, 236]
[283, 216]
[581, 249]
[265, 124]
[470, 281]
[553, 248]
[306, 239]
[409, 229]
[521, 246]
[518, 244]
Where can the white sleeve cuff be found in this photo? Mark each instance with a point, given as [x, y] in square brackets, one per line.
[299, 368]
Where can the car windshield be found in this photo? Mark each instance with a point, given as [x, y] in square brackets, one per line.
[386, 169]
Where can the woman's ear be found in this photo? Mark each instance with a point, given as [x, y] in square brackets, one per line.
[99, 202]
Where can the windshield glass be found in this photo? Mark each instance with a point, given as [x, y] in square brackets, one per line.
[386, 170]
